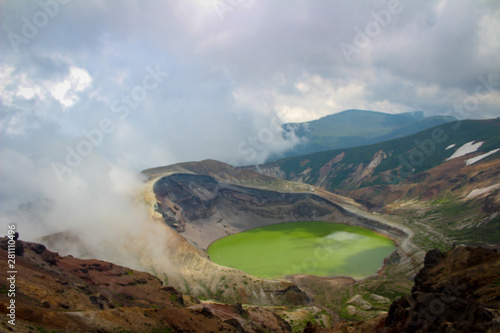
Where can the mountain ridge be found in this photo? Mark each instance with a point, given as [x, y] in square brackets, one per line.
[401, 153]
[428, 176]
[354, 127]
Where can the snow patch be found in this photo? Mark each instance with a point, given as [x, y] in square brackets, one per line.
[467, 148]
[451, 146]
[480, 157]
[479, 191]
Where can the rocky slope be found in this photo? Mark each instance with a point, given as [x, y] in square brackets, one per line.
[456, 291]
[66, 294]
[393, 161]
[451, 203]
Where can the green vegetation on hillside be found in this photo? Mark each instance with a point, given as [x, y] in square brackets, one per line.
[402, 157]
[462, 222]
[354, 128]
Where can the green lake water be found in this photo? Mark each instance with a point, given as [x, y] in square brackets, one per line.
[315, 248]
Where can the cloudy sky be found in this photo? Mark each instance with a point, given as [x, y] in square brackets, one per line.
[94, 91]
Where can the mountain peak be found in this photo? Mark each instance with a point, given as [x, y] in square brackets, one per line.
[354, 127]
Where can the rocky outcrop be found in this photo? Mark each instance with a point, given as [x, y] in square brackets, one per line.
[457, 291]
[186, 198]
[491, 203]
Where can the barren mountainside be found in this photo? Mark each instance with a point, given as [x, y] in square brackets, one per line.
[66, 294]
[458, 291]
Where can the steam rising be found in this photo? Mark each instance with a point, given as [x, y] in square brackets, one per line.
[100, 205]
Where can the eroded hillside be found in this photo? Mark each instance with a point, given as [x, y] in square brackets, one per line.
[455, 291]
[216, 201]
[67, 294]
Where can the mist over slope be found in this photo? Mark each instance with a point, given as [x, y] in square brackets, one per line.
[92, 92]
[164, 82]
[67, 294]
[353, 128]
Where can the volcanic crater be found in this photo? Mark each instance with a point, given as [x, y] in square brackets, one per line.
[205, 204]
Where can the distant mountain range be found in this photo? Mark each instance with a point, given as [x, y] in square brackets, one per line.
[387, 162]
[352, 128]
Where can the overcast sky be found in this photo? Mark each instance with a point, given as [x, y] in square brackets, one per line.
[91, 90]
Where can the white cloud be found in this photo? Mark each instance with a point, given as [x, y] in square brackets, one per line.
[317, 97]
[18, 83]
[488, 32]
[65, 91]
